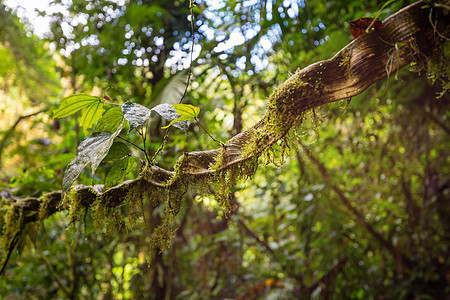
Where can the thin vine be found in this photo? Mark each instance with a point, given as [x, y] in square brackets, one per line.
[188, 82]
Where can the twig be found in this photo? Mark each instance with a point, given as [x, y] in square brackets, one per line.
[132, 144]
[191, 2]
[160, 147]
[204, 129]
[285, 267]
[256, 238]
[143, 135]
[10, 131]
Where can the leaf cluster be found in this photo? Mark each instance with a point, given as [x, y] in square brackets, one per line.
[98, 147]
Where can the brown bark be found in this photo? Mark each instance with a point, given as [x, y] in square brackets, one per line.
[408, 35]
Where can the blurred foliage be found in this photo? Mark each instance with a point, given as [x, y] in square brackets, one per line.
[289, 232]
[27, 84]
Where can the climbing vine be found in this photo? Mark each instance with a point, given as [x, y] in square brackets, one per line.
[118, 203]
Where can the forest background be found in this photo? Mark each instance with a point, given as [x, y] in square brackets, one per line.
[355, 207]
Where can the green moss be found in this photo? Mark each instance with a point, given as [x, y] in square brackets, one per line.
[287, 92]
[108, 218]
[14, 223]
[278, 153]
[436, 66]
[135, 204]
[74, 203]
[344, 62]
[161, 237]
[438, 69]
[164, 233]
[43, 209]
[178, 169]
[113, 217]
[170, 195]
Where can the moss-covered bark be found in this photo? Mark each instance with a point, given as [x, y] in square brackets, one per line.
[407, 36]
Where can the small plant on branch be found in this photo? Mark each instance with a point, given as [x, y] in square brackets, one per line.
[101, 146]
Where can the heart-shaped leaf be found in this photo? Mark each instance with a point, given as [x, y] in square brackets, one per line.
[110, 121]
[169, 113]
[92, 150]
[117, 151]
[135, 114]
[74, 103]
[187, 110]
[91, 115]
[118, 171]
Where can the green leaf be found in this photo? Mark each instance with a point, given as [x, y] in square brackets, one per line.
[117, 151]
[92, 150]
[169, 113]
[169, 90]
[135, 114]
[74, 103]
[110, 121]
[118, 171]
[91, 115]
[177, 121]
[187, 110]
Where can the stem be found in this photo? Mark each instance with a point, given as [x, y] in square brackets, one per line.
[192, 52]
[160, 147]
[117, 91]
[132, 144]
[110, 103]
[8, 133]
[395, 252]
[204, 129]
[142, 134]
[191, 5]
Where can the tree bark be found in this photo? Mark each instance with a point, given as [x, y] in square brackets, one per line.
[411, 34]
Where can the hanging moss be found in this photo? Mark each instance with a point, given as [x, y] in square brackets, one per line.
[270, 138]
[114, 217]
[178, 169]
[278, 153]
[44, 208]
[134, 202]
[162, 236]
[75, 201]
[436, 66]
[12, 230]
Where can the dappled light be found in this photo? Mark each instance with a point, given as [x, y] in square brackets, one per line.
[224, 149]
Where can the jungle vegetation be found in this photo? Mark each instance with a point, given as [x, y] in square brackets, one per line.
[225, 150]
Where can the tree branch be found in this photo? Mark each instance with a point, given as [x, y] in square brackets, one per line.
[348, 73]
[406, 36]
[11, 130]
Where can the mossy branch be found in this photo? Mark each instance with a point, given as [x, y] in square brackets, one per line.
[351, 71]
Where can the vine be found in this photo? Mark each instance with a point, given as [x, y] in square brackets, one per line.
[238, 158]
